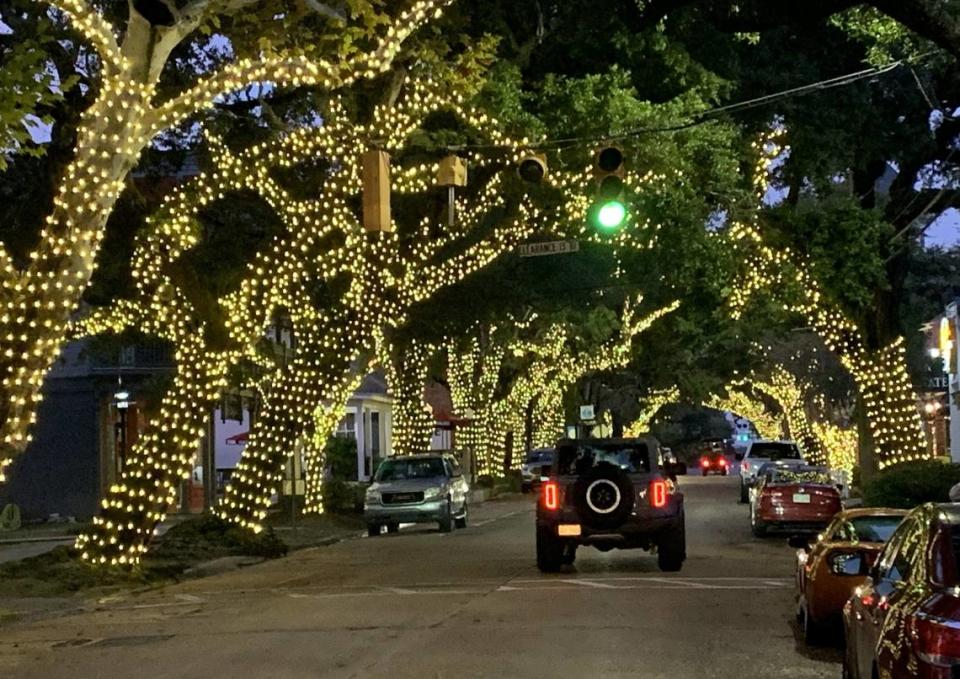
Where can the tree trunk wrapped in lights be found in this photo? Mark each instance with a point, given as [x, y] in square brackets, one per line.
[406, 365]
[37, 302]
[791, 396]
[287, 410]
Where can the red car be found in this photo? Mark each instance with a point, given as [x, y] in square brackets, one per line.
[904, 621]
[837, 563]
[792, 497]
[713, 463]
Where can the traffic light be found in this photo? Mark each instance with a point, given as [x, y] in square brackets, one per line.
[609, 210]
[532, 168]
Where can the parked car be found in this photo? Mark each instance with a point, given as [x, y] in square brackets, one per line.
[713, 463]
[610, 493]
[794, 497]
[416, 489]
[760, 452]
[832, 567]
[904, 621]
[532, 466]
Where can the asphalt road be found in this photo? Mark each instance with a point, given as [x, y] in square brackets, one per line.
[467, 604]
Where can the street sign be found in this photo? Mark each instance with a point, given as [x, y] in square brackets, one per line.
[586, 413]
[555, 247]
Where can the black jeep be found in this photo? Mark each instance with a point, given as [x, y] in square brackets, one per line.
[609, 493]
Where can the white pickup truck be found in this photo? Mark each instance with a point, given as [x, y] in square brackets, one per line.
[760, 452]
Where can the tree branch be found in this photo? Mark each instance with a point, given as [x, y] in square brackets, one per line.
[295, 70]
[94, 28]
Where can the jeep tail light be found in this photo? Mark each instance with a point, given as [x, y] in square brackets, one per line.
[934, 642]
[658, 493]
[551, 495]
[723, 462]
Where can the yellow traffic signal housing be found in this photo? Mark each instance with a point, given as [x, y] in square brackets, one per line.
[452, 171]
[376, 191]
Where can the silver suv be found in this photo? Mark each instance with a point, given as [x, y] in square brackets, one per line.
[416, 489]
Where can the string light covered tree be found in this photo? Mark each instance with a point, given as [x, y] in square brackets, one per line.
[738, 401]
[881, 376]
[553, 362]
[126, 114]
[407, 366]
[333, 335]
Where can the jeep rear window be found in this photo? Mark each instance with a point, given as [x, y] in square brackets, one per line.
[775, 451]
[633, 458]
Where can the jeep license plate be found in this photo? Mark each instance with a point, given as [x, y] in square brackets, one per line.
[801, 498]
[568, 530]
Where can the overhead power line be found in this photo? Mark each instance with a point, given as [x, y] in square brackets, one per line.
[707, 115]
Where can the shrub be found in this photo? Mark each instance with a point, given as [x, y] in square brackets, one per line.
[341, 497]
[209, 537]
[910, 484]
[485, 481]
[340, 456]
[512, 482]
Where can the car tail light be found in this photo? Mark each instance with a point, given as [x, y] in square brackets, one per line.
[745, 466]
[658, 493]
[551, 495]
[723, 462]
[704, 462]
[935, 641]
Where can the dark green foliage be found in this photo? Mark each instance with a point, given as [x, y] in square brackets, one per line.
[343, 497]
[340, 457]
[60, 571]
[209, 537]
[912, 483]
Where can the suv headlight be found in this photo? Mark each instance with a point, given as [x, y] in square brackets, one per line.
[373, 497]
[431, 493]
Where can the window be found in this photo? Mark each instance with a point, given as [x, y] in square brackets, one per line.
[348, 426]
[774, 451]
[375, 434]
[868, 528]
[900, 556]
[403, 469]
[633, 458]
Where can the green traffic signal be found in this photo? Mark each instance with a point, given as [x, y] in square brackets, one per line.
[611, 215]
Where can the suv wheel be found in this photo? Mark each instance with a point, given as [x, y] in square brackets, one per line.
[462, 521]
[373, 529]
[744, 494]
[549, 551]
[672, 548]
[446, 521]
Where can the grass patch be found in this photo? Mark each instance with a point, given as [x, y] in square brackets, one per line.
[61, 572]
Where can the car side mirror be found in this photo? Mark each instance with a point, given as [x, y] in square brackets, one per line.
[799, 542]
[738, 457]
[848, 563]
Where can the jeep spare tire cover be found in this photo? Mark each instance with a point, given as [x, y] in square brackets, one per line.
[604, 496]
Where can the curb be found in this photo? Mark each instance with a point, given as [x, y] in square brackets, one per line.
[25, 541]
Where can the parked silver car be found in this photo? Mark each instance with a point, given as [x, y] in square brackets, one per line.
[417, 489]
